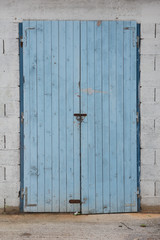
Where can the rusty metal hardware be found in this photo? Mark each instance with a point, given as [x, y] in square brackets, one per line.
[22, 117]
[26, 199]
[80, 116]
[133, 33]
[73, 201]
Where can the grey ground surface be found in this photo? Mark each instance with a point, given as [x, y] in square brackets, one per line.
[135, 226]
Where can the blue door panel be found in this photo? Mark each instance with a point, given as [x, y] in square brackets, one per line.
[51, 133]
[80, 67]
[108, 133]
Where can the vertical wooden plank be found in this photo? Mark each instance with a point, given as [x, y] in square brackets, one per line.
[133, 166]
[62, 114]
[90, 117]
[76, 106]
[113, 117]
[70, 112]
[120, 112]
[105, 115]
[33, 114]
[98, 117]
[40, 107]
[26, 72]
[48, 115]
[84, 125]
[127, 106]
[55, 118]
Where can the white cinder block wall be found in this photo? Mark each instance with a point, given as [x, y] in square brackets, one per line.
[145, 12]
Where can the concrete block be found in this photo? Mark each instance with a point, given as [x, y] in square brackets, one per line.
[1, 110]
[147, 188]
[150, 204]
[157, 125]
[150, 46]
[158, 189]
[11, 46]
[147, 156]
[157, 95]
[9, 94]
[158, 30]
[150, 140]
[9, 63]
[1, 47]
[150, 110]
[147, 63]
[157, 62]
[12, 109]
[9, 79]
[9, 157]
[7, 123]
[158, 157]
[147, 94]
[8, 30]
[147, 125]
[12, 141]
[12, 204]
[150, 173]
[9, 174]
[1, 141]
[9, 189]
[148, 30]
[150, 79]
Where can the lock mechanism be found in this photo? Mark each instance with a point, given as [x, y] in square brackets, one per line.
[80, 116]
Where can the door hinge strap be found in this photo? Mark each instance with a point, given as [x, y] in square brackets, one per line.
[137, 117]
[26, 199]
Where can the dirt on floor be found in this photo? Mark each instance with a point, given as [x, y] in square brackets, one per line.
[135, 226]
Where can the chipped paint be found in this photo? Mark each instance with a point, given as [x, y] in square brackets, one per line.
[99, 23]
[90, 91]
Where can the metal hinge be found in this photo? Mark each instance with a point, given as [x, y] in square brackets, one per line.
[21, 41]
[22, 117]
[26, 199]
[30, 28]
[137, 117]
[138, 193]
[22, 193]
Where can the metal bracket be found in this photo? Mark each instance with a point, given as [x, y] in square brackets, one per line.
[137, 117]
[76, 201]
[26, 199]
[26, 34]
[133, 34]
[80, 116]
[22, 117]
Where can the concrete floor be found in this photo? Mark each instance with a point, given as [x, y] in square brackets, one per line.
[135, 226]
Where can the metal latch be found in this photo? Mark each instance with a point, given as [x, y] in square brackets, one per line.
[73, 201]
[80, 116]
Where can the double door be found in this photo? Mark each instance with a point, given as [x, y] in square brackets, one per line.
[80, 94]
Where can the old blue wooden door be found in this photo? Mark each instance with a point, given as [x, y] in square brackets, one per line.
[51, 60]
[72, 68]
[108, 133]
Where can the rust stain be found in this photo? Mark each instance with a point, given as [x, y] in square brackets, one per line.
[90, 91]
[99, 23]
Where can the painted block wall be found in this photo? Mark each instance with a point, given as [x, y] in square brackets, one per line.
[145, 12]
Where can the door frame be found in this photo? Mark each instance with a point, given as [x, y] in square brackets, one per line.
[21, 81]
